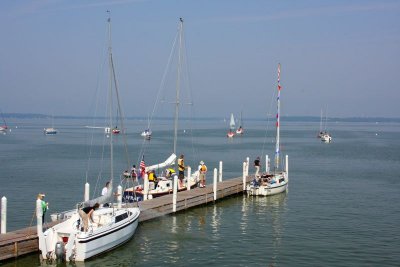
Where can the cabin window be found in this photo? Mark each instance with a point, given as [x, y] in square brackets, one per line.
[121, 217]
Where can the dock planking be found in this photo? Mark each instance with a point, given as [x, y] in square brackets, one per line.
[25, 241]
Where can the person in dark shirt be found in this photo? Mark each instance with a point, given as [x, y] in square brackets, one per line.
[86, 214]
[257, 166]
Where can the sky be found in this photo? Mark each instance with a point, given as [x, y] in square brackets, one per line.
[342, 57]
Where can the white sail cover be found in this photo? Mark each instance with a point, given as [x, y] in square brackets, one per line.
[101, 199]
[170, 161]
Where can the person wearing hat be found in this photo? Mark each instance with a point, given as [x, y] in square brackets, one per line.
[45, 205]
[202, 176]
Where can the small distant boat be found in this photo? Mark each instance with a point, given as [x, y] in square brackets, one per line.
[146, 133]
[4, 127]
[326, 138]
[50, 131]
[116, 130]
[232, 124]
[276, 182]
[240, 129]
[107, 130]
[324, 134]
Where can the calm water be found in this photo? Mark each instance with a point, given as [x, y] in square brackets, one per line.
[342, 207]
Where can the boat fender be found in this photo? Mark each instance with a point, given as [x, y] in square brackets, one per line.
[60, 250]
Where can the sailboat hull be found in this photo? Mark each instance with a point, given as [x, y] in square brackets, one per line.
[277, 184]
[112, 228]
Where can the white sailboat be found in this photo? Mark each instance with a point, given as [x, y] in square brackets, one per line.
[164, 184]
[276, 182]
[111, 226]
[232, 125]
[50, 130]
[4, 127]
[324, 135]
[147, 132]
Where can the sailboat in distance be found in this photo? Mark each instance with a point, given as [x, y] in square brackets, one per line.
[4, 127]
[240, 129]
[277, 182]
[232, 125]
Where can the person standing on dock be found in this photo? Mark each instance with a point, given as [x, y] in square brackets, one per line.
[202, 176]
[181, 169]
[133, 172]
[45, 205]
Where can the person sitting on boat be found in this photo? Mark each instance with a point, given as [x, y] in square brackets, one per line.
[152, 179]
[181, 169]
[169, 172]
[86, 214]
[133, 172]
[202, 176]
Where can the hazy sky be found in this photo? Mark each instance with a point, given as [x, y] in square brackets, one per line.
[343, 55]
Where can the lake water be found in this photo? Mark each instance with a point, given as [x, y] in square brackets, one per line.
[342, 207]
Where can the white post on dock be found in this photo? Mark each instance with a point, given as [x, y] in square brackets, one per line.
[220, 171]
[215, 183]
[247, 166]
[39, 214]
[175, 192]
[145, 187]
[119, 197]
[3, 215]
[87, 191]
[244, 175]
[287, 166]
[189, 174]
[267, 164]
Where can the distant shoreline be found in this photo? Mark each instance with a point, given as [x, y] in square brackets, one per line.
[283, 118]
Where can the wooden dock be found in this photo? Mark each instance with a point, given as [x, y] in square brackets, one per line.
[25, 241]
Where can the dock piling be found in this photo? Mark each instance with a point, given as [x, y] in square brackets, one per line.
[174, 195]
[220, 171]
[39, 214]
[215, 183]
[244, 175]
[87, 192]
[145, 187]
[189, 174]
[3, 215]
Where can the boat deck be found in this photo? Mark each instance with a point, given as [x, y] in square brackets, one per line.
[24, 241]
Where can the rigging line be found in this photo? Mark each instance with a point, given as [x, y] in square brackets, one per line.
[94, 117]
[162, 83]
[187, 81]
[268, 118]
[120, 112]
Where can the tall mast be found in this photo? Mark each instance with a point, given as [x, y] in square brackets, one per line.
[277, 148]
[320, 123]
[178, 84]
[110, 98]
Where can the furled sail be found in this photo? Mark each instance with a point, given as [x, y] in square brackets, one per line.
[101, 199]
[170, 161]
